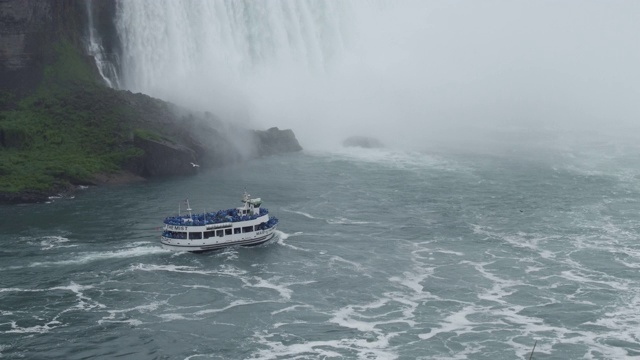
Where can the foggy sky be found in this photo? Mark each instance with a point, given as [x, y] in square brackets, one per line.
[415, 71]
[425, 71]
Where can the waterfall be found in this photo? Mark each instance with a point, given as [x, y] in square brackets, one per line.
[106, 68]
[325, 68]
[204, 52]
[384, 68]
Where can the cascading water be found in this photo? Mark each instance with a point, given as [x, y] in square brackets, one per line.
[208, 54]
[106, 68]
[289, 63]
[409, 72]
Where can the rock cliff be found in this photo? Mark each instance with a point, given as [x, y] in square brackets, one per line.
[27, 29]
[60, 126]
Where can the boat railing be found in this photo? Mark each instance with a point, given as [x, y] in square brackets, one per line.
[222, 216]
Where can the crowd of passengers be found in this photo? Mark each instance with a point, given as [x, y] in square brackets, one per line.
[222, 216]
[183, 235]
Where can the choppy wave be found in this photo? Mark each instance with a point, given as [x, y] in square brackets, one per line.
[88, 257]
[443, 268]
[396, 159]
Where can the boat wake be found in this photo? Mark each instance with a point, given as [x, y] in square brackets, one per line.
[88, 257]
[282, 236]
[307, 215]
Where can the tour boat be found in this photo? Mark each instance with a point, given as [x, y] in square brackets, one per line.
[247, 225]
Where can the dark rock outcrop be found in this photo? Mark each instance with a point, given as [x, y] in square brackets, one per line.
[276, 141]
[31, 196]
[163, 158]
[27, 29]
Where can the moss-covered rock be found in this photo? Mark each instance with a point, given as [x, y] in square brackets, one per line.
[60, 126]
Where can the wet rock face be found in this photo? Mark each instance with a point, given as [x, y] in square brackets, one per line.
[20, 23]
[275, 141]
[23, 33]
[27, 29]
[163, 158]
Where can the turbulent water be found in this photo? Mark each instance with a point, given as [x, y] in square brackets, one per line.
[381, 254]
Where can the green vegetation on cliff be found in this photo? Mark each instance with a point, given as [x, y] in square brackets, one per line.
[71, 128]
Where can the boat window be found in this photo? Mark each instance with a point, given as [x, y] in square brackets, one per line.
[227, 231]
[208, 234]
[237, 231]
[177, 235]
[247, 229]
[195, 235]
[220, 233]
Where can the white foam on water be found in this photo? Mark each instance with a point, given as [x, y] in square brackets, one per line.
[531, 269]
[500, 286]
[345, 318]
[368, 318]
[622, 320]
[457, 253]
[132, 322]
[84, 258]
[369, 348]
[136, 244]
[50, 242]
[456, 322]
[84, 302]
[282, 236]
[282, 289]
[345, 221]
[393, 158]
[115, 315]
[631, 265]
[394, 307]
[274, 284]
[225, 270]
[200, 355]
[307, 215]
[290, 308]
[197, 315]
[585, 280]
[277, 325]
[417, 254]
[36, 329]
[530, 241]
[594, 279]
[413, 280]
[172, 317]
[334, 259]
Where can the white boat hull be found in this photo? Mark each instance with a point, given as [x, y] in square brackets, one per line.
[215, 243]
[246, 226]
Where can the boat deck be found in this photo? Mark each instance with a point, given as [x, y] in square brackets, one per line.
[209, 218]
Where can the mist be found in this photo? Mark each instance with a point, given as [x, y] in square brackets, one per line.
[410, 73]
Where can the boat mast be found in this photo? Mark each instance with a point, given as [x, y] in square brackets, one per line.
[188, 208]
